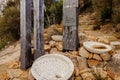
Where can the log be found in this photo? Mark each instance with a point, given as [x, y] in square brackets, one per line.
[38, 28]
[70, 24]
[25, 13]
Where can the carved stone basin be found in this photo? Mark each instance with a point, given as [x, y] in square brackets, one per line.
[96, 47]
[52, 67]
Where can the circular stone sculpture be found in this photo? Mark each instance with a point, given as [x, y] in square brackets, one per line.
[96, 47]
[52, 67]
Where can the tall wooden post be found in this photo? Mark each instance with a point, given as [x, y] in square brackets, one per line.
[70, 24]
[38, 28]
[25, 58]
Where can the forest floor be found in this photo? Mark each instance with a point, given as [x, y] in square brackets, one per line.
[9, 57]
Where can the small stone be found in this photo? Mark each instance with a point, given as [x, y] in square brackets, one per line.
[59, 46]
[78, 78]
[53, 50]
[83, 52]
[14, 65]
[105, 56]
[101, 72]
[88, 76]
[30, 76]
[85, 70]
[103, 40]
[74, 52]
[97, 57]
[92, 62]
[82, 63]
[116, 44]
[76, 71]
[14, 73]
[24, 75]
[47, 48]
[3, 76]
[16, 79]
[52, 43]
[90, 56]
[57, 38]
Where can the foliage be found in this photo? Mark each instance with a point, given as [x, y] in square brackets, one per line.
[116, 11]
[10, 23]
[103, 9]
[53, 12]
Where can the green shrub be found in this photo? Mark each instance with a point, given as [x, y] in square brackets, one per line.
[10, 23]
[53, 13]
[103, 9]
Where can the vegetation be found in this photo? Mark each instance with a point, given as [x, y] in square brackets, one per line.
[10, 23]
[53, 12]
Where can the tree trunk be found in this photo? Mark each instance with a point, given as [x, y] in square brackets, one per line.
[26, 56]
[38, 28]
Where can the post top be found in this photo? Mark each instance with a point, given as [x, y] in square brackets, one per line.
[70, 3]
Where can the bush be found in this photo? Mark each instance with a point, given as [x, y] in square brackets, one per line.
[53, 13]
[10, 23]
[116, 11]
[103, 9]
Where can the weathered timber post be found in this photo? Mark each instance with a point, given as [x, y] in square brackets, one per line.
[70, 24]
[26, 56]
[38, 28]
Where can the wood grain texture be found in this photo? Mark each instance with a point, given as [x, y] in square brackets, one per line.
[38, 28]
[25, 13]
[70, 33]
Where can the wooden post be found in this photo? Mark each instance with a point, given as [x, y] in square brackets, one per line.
[38, 28]
[25, 58]
[70, 24]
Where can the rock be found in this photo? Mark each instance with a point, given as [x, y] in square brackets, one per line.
[117, 29]
[103, 40]
[78, 78]
[88, 76]
[46, 37]
[100, 72]
[116, 44]
[59, 46]
[97, 57]
[57, 37]
[85, 70]
[82, 63]
[93, 38]
[76, 71]
[74, 52]
[90, 56]
[14, 73]
[16, 79]
[30, 76]
[3, 76]
[14, 65]
[24, 75]
[52, 43]
[113, 67]
[92, 62]
[53, 50]
[83, 52]
[105, 56]
[47, 48]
